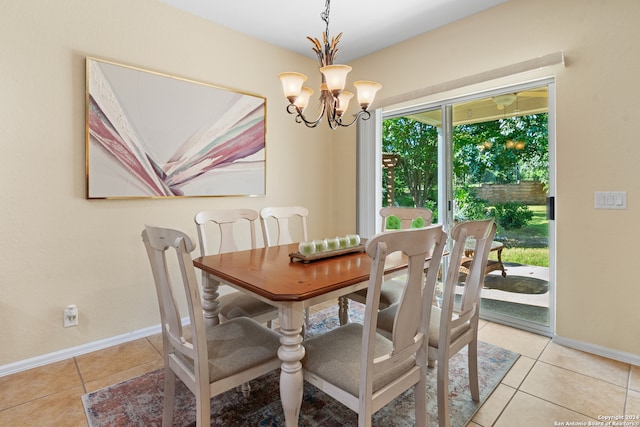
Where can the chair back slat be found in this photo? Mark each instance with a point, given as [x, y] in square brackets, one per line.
[226, 221]
[281, 216]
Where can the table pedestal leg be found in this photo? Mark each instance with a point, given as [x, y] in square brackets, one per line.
[210, 303]
[291, 353]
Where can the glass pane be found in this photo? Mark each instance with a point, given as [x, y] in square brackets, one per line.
[501, 170]
[410, 161]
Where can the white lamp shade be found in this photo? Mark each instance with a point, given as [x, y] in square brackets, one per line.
[336, 77]
[292, 84]
[366, 92]
[343, 102]
[302, 100]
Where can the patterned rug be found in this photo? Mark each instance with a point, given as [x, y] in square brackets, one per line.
[138, 401]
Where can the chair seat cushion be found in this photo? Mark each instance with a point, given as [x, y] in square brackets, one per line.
[390, 293]
[434, 328]
[239, 304]
[386, 317]
[335, 357]
[238, 345]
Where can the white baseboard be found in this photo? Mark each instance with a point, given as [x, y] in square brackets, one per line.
[57, 356]
[67, 353]
[620, 356]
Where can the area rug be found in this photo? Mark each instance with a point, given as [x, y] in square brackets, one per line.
[138, 401]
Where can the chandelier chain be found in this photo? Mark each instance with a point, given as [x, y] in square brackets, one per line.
[325, 16]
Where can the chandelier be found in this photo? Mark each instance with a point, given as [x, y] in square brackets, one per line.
[334, 100]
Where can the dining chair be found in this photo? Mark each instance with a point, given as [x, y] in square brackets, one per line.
[455, 325]
[224, 222]
[281, 216]
[363, 369]
[209, 360]
[393, 217]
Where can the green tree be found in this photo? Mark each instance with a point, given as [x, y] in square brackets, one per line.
[416, 143]
[502, 151]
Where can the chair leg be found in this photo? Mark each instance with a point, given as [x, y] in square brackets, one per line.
[343, 310]
[420, 396]
[443, 390]
[473, 370]
[169, 397]
[246, 389]
[203, 406]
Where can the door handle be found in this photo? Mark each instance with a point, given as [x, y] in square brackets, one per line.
[551, 208]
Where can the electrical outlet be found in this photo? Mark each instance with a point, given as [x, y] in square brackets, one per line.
[70, 316]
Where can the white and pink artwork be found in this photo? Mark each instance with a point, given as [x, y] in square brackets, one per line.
[153, 135]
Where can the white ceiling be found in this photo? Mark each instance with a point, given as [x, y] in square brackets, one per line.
[368, 26]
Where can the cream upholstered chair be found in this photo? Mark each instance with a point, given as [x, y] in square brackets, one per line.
[282, 216]
[393, 218]
[234, 304]
[452, 327]
[361, 368]
[214, 359]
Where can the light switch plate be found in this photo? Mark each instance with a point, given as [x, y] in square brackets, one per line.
[611, 200]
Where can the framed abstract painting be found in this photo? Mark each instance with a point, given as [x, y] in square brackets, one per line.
[149, 134]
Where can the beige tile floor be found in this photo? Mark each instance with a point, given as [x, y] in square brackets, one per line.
[548, 386]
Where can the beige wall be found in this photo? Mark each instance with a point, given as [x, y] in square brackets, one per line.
[597, 138]
[60, 248]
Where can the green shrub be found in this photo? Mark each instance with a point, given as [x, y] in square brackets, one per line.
[433, 206]
[468, 207]
[511, 215]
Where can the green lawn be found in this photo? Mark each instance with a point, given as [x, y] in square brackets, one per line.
[536, 230]
[526, 256]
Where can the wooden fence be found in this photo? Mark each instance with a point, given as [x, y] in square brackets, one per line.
[528, 192]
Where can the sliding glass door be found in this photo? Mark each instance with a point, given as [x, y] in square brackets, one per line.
[476, 157]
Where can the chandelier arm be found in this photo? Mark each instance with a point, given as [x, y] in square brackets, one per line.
[366, 115]
[300, 118]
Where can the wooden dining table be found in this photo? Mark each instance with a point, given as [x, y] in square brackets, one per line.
[271, 275]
